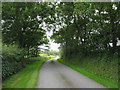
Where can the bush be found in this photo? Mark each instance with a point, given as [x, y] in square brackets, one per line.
[104, 65]
[13, 60]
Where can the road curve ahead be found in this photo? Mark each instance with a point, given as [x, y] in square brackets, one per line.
[56, 75]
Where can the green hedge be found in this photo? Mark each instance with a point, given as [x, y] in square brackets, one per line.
[13, 60]
[103, 65]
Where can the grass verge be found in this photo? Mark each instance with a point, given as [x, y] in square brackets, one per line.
[106, 82]
[26, 78]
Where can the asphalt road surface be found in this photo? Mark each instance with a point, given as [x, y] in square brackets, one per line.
[56, 75]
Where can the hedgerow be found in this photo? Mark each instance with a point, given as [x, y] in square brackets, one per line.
[13, 60]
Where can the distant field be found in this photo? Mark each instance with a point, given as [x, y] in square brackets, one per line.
[49, 54]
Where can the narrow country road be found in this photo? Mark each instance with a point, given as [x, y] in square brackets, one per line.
[56, 75]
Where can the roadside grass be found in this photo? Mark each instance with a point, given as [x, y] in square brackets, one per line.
[27, 77]
[104, 81]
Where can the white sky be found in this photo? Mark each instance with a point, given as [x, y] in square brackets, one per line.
[53, 46]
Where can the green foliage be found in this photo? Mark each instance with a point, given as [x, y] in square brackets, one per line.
[22, 22]
[13, 60]
[102, 65]
[13, 50]
[100, 79]
[26, 78]
[89, 28]
[90, 36]
[83, 29]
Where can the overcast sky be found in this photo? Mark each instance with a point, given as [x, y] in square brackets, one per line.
[53, 46]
